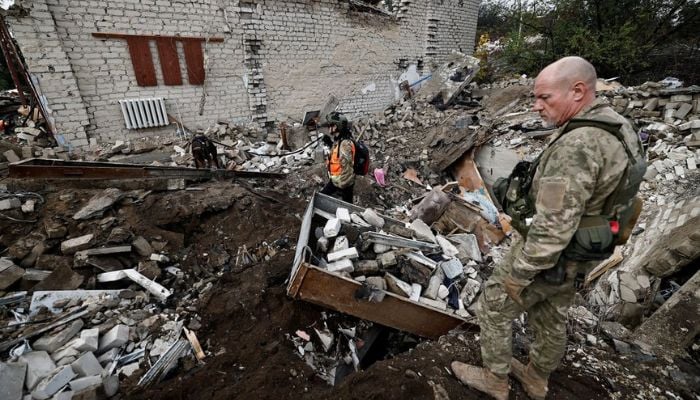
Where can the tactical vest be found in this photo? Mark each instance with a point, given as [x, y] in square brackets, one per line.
[333, 161]
[597, 235]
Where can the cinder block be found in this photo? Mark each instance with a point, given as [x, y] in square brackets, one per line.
[87, 365]
[116, 337]
[39, 365]
[89, 340]
[53, 383]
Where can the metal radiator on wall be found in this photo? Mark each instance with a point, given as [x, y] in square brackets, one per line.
[144, 113]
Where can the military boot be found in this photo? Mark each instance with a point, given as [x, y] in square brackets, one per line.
[482, 379]
[533, 381]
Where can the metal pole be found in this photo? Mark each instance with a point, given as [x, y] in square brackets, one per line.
[5, 40]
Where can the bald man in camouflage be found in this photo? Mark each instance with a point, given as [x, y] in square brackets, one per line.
[579, 170]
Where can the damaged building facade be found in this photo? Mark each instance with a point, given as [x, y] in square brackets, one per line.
[231, 61]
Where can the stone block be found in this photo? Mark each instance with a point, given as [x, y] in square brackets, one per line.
[53, 383]
[39, 365]
[332, 228]
[683, 110]
[343, 214]
[74, 245]
[344, 265]
[110, 384]
[422, 231]
[53, 342]
[373, 218]
[85, 383]
[341, 243]
[12, 380]
[116, 337]
[350, 253]
[87, 365]
[694, 124]
[55, 230]
[387, 259]
[89, 340]
[142, 247]
[11, 156]
[108, 356]
[9, 204]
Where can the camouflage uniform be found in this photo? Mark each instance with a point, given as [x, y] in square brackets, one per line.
[575, 176]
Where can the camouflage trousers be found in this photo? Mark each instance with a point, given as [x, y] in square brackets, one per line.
[546, 305]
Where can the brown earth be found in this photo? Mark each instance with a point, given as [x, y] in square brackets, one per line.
[247, 316]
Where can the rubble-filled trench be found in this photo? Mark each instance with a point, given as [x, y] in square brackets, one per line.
[225, 250]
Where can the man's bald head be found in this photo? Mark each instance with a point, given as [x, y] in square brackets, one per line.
[563, 89]
[569, 70]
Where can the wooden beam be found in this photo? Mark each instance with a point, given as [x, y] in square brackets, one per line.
[112, 35]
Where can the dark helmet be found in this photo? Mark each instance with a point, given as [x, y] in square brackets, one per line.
[337, 119]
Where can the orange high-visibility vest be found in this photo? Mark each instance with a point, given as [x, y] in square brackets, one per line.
[333, 162]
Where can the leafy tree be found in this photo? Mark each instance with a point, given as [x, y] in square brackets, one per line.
[625, 38]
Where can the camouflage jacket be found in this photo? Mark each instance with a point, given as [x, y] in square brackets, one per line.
[575, 176]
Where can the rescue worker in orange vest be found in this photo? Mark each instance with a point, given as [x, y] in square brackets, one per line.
[340, 162]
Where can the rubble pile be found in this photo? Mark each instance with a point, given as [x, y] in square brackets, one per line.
[99, 301]
[410, 260]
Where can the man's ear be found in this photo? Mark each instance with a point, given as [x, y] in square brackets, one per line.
[580, 91]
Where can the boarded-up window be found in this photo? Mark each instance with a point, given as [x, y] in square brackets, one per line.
[142, 60]
[169, 61]
[194, 60]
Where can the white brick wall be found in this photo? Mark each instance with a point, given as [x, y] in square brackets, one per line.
[309, 49]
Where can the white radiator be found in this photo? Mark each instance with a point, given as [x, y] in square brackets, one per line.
[144, 113]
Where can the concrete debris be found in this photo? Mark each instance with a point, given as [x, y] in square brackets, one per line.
[53, 342]
[39, 365]
[53, 383]
[74, 245]
[97, 205]
[12, 380]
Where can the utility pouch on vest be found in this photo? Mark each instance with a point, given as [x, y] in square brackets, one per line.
[513, 194]
[593, 240]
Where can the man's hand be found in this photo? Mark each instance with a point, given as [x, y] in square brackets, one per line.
[514, 289]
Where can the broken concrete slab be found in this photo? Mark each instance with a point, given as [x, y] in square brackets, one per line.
[49, 299]
[87, 365]
[452, 268]
[116, 337]
[39, 365]
[341, 243]
[12, 380]
[99, 203]
[468, 246]
[674, 326]
[422, 231]
[53, 383]
[387, 259]
[62, 278]
[448, 249]
[74, 245]
[9, 273]
[52, 342]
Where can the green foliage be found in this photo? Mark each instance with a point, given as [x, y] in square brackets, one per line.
[617, 36]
